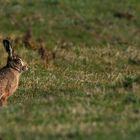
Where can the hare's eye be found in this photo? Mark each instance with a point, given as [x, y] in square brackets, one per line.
[18, 61]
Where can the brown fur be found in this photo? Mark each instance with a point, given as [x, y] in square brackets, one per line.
[9, 78]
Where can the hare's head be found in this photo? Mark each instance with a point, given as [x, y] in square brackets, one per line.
[14, 61]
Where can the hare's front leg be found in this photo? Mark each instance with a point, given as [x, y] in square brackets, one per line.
[3, 100]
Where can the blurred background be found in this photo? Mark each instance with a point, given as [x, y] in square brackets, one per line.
[84, 77]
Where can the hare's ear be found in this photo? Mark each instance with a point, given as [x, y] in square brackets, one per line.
[8, 47]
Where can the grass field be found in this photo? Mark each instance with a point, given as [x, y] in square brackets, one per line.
[91, 89]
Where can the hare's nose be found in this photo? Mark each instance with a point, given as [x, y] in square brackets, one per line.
[25, 68]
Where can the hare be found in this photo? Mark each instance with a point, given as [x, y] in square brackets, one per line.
[10, 74]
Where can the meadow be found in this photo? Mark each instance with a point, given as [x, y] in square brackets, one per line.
[84, 76]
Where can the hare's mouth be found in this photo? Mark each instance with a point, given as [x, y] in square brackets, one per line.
[25, 68]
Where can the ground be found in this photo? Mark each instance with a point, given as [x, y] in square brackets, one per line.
[90, 89]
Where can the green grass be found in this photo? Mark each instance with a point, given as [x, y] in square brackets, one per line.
[91, 90]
